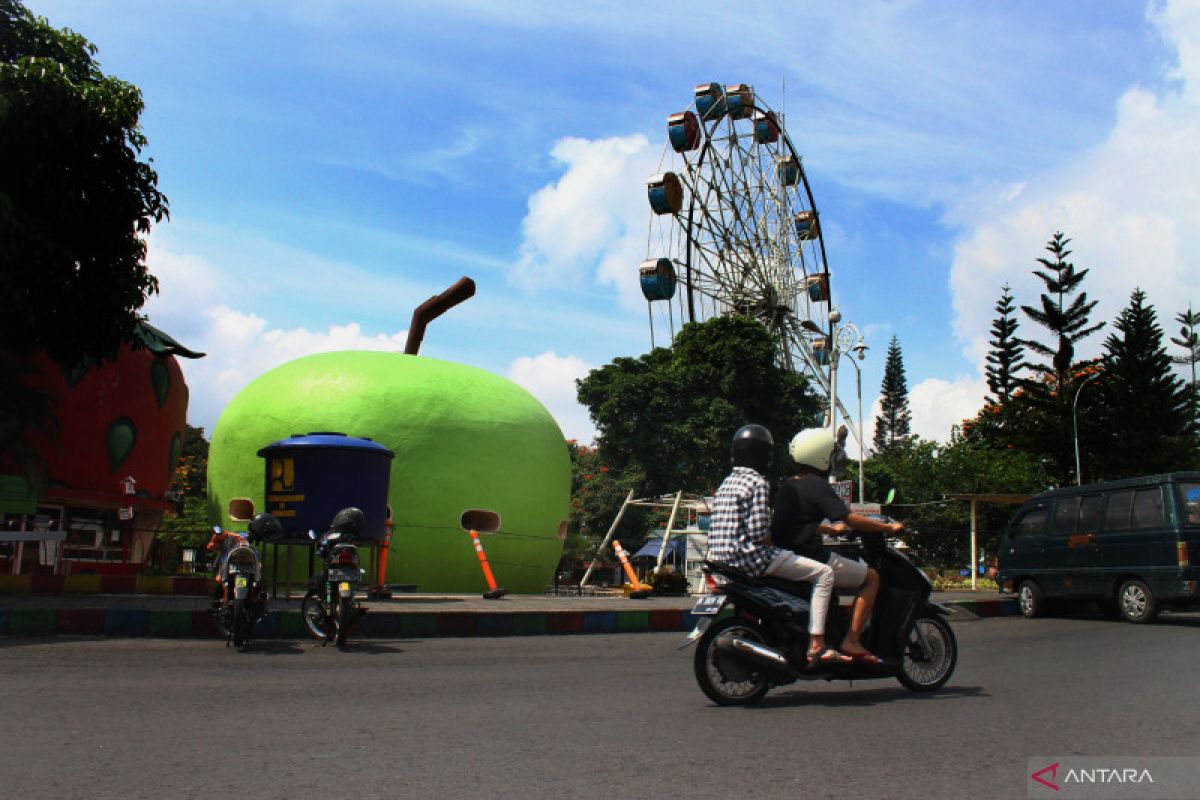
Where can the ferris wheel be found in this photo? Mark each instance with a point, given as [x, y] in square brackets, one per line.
[734, 230]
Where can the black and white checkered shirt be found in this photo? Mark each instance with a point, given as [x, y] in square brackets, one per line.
[740, 534]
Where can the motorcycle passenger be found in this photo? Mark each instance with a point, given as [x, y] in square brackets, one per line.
[802, 506]
[740, 533]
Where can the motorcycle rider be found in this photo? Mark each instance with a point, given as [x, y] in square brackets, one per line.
[740, 534]
[802, 506]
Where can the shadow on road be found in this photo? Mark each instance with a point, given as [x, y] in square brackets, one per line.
[366, 648]
[272, 647]
[868, 697]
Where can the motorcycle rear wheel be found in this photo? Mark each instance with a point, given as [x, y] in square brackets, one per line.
[315, 615]
[345, 609]
[927, 666]
[724, 682]
[241, 631]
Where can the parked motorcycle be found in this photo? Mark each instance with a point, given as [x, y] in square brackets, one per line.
[240, 600]
[329, 606]
[764, 643]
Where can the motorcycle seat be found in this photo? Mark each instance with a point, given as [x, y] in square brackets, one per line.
[803, 590]
[795, 588]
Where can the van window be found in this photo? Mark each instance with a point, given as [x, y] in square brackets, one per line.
[1031, 522]
[1089, 512]
[1119, 504]
[1148, 508]
[1190, 492]
[1066, 512]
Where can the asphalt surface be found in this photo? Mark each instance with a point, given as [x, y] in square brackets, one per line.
[576, 717]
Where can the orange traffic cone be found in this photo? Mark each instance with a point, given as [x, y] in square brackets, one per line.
[494, 592]
[640, 590]
[380, 589]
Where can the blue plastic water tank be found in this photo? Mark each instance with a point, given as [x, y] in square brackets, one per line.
[311, 477]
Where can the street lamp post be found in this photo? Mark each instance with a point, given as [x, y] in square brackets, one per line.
[861, 349]
[1075, 425]
[843, 339]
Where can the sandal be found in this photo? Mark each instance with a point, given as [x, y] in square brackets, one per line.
[828, 656]
[865, 657]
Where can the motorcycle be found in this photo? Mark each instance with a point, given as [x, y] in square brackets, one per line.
[329, 606]
[764, 643]
[240, 600]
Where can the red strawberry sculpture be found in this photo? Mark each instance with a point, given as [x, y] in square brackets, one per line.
[116, 419]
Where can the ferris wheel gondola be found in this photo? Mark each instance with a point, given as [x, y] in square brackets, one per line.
[734, 230]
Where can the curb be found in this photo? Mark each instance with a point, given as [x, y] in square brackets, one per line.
[190, 586]
[287, 624]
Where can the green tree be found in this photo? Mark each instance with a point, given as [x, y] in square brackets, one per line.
[1189, 340]
[1048, 430]
[75, 198]
[1144, 412]
[893, 424]
[665, 419]
[189, 525]
[922, 473]
[1007, 356]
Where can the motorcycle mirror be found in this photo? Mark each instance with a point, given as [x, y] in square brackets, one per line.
[216, 528]
[891, 495]
[312, 534]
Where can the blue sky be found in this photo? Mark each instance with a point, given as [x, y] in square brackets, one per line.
[331, 164]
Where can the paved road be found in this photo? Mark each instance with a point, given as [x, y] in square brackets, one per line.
[575, 717]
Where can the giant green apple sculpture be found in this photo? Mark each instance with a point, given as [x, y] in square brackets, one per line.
[464, 439]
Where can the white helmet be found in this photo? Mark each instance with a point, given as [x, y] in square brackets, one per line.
[813, 447]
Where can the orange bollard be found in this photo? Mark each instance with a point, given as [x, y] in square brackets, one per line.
[640, 590]
[493, 592]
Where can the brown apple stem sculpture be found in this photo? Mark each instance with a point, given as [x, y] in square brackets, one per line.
[434, 307]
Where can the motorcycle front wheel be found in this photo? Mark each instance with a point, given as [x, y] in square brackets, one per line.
[315, 614]
[929, 656]
[220, 613]
[725, 681]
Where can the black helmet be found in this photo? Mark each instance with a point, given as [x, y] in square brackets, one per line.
[348, 520]
[265, 527]
[752, 445]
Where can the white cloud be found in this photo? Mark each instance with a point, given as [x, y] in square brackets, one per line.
[938, 404]
[1131, 206]
[242, 346]
[551, 379]
[192, 306]
[590, 225]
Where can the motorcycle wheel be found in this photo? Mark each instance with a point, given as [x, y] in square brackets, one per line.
[315, 615]
[220, 613]
[927, 666]
[724, 681]
[240, 628]
[345, 609]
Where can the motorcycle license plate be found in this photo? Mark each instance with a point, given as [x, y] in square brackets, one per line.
[705, 611]
[240, 582]
[708, 605]
[344, 589]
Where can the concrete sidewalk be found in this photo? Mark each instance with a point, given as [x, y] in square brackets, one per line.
[405, 616]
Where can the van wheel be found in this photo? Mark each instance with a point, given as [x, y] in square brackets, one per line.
[1137, 601]
[1031, 600]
